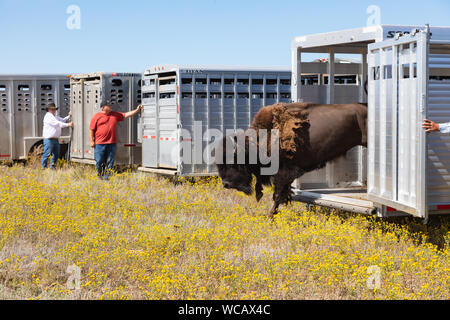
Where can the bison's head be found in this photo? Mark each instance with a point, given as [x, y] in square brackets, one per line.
[234, 175]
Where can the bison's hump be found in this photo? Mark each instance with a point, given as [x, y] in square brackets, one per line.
[269, 116]
[291, 121]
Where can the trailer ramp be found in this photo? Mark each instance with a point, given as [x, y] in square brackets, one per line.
[348, 199]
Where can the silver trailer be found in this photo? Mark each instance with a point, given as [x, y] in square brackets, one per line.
[88, 92]
[23, 101]
[408, 71]
[223, 98]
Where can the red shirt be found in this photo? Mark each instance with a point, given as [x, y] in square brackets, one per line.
[104, 127]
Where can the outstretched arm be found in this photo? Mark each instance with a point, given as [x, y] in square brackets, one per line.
[55, 122]
[134, 112]
[431, 126]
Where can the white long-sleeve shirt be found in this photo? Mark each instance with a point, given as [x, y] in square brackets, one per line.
[53, 125]
[444, 127]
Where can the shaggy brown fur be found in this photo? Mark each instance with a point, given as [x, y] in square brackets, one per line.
[290, 120]
[310, 135]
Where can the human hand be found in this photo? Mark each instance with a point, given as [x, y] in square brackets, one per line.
[430, 126]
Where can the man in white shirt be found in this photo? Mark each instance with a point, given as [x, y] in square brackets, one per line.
[51, 133]
[431, 126]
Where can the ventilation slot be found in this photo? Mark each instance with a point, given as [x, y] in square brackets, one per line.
[166, 82]
[215, 95]
[149, 95]
[116, 82]
[200, 95]
[215, 81]
[201, 81]
[167, 95]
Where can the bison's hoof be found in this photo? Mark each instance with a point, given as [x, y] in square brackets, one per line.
[272, 215]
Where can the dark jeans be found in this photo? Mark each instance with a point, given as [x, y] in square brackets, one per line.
[104, 157]
[51, 147]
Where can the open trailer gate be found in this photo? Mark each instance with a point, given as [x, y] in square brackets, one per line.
[408, 80]
[398, 77]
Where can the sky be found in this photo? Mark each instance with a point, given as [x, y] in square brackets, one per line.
[129, 36]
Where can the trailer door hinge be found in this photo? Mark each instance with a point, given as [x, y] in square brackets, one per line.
[423, 103]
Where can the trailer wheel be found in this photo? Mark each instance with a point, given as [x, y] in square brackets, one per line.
[35, 154]
[64, 151]
[37, 150]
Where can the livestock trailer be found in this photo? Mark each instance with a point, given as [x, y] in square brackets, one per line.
[23, 101]
[88, 92]
[408, 72]
[178, 98]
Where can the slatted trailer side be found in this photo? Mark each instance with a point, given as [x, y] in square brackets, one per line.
[88, 92]
[188, 98]
[23, 101]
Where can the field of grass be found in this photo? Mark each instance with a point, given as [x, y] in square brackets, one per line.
[139, 236]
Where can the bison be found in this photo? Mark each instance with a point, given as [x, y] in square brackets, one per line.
[309, 135]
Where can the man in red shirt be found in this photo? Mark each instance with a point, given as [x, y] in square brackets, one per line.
[102, 132]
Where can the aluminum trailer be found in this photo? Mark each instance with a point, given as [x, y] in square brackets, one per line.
[23, 101]
[88, 92]
[223, 98]
[408, 72]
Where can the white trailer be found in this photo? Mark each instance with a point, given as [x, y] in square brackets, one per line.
[408, 71]
[23, 101]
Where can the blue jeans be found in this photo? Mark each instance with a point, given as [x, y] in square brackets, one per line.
[51, 147]
[104, 155]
